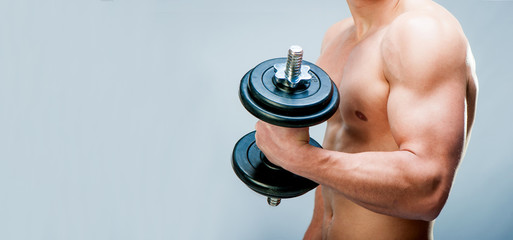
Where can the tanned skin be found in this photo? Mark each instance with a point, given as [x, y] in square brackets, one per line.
[408, 91]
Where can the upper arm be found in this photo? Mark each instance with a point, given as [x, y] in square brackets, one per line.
[425, 66]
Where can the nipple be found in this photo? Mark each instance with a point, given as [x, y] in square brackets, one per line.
[360, 116]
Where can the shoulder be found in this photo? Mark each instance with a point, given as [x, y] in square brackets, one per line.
[336, 30]
[424, 41]
[426, 27]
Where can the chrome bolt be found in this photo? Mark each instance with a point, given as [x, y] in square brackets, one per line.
[273, 201]
[292, 73]
[294, 60]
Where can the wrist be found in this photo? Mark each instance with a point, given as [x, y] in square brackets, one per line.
[304, 160]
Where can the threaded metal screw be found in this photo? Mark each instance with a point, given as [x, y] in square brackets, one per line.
[294, 59]
[273, 201]
[292, 74]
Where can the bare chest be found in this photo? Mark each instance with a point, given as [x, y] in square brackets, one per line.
[357, 70]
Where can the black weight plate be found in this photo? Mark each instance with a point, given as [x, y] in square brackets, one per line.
[290, 102]
[263, 112]
[263, 177]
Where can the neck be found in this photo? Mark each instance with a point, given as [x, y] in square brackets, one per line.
[369, 15]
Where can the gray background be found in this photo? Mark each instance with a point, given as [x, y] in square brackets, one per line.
[118, 118]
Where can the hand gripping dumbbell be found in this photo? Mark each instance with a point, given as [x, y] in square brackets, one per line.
[287, 92]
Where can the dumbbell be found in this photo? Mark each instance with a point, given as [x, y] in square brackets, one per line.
[287, 92]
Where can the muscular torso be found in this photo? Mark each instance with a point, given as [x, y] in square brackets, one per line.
[361, 124]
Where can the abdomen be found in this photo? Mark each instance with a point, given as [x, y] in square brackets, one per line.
[347, 220]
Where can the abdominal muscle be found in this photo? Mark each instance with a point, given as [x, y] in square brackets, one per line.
[344, 219]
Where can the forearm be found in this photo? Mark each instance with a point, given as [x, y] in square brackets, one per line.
[397, 183]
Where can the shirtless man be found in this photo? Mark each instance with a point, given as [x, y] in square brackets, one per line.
[408, 91]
